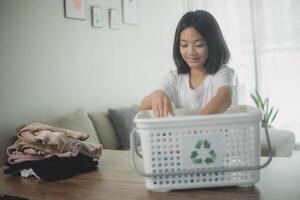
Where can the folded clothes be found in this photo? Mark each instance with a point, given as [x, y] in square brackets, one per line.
[9, 197]
[55, 168]
[42, 140]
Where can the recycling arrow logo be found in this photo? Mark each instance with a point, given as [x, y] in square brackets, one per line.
[203, 145]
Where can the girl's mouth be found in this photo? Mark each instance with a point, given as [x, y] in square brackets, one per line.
[192, 60]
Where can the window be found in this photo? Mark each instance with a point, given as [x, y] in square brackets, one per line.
[263, 37]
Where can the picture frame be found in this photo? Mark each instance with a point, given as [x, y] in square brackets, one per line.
[75, 9]
[97, 16]
[114, 19]
[130, 11]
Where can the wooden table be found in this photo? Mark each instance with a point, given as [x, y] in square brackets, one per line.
[115, 179]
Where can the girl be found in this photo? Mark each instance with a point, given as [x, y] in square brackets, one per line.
[202, 80]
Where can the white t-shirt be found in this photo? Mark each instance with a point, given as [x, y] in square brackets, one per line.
[177, 87]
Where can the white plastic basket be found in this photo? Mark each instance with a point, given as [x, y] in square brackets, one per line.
[196, 151]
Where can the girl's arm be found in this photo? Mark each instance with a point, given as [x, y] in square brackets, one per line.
[146, 103]
[159, 102]
[220, 103]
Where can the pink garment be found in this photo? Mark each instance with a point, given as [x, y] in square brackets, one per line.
[15, 156]
[92, 150]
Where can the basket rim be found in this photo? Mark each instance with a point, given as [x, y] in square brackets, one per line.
[233, 113]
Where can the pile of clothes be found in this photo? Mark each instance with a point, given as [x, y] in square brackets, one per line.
[51, 153]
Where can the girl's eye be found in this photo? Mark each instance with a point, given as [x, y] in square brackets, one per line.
[200, 45]
[196, 45]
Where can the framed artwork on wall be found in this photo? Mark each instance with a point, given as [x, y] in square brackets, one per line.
[97, 16]
[114, 19]
[130, 11]
[75, 9]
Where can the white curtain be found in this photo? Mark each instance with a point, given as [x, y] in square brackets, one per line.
[280, 59]
[264, 40]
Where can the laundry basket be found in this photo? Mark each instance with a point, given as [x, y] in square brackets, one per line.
[197, 151]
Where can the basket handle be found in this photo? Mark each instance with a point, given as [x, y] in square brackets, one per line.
[222, 169]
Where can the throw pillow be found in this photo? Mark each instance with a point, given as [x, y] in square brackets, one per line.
[105, 130]
[122, 120]
[78, 120]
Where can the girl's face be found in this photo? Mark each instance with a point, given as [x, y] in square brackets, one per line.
[193, 48]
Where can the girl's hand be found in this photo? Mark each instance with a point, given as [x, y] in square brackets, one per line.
[161, 104]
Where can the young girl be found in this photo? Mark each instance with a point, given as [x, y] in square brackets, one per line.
[202, 80]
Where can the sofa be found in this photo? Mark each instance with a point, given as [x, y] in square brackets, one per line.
[112, 129]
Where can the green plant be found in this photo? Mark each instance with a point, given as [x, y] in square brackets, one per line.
[269, 114]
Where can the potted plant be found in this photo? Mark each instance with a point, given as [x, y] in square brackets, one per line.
[277, 136]
[269, 114]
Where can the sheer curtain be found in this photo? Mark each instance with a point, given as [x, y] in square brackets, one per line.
[280, 64]
[263, 37]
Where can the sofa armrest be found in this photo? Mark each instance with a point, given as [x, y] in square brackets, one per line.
[282, 142]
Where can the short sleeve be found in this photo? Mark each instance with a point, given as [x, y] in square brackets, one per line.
[168, 84]
[224, 77]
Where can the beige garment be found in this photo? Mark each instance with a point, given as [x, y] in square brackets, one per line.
[72, 148]
[35, 127]
[43, 149]
[41, 139]
[54, 140]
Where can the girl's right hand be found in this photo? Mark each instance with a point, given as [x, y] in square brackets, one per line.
[161, 104]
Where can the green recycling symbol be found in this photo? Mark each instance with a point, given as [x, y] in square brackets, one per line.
[211, 156]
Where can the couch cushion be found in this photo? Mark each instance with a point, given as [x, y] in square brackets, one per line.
[105, 130]
[78, 120]
[122, 120]
[282, 142]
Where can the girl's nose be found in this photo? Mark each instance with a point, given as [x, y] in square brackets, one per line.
[191, 50]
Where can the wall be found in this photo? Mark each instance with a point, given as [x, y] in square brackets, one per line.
[50, 65]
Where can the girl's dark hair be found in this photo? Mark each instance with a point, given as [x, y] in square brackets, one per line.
[206, 24]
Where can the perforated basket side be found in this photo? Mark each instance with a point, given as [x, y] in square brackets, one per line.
[167, 150]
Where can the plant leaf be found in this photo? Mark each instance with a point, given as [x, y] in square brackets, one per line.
[269, 115]
[267, 102]
[259, 100]
[274, 116]
[254, 98]
[266, 106]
